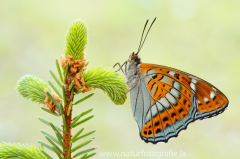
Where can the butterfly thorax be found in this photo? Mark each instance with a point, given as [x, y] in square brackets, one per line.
[132, 75]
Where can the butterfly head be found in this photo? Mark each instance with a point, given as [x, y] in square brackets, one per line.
[133, 58]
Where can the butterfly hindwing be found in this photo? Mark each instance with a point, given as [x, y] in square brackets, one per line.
[166, 100]
[140, 104]
[136, 97]
[171, 110]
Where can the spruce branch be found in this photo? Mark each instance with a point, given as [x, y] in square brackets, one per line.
[48, 111]
[55, 89]
[9, 150]
[82, 121]
[84, 151]
[109, 81]
[59, 71]
[49, 124]
[32, 88]
[82, 136]
[50, 136]
[83, 99]
[45, 145]
[76, 39]
[47, 155]
[90, 155]
[73, 80]
[55, 78]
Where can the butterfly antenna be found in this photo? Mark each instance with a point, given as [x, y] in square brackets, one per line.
[147, 34]
[142, 36]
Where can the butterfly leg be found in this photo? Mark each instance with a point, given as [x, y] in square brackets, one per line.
[126, 66]
[120, 66]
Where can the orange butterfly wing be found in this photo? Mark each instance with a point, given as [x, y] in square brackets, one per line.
[184, 93]
[210, 100]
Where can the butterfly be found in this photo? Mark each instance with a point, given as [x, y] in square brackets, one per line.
[165, 100]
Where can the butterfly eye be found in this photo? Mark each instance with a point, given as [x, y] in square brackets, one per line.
[133, 57]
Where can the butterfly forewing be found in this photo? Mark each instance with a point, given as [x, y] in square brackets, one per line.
[210, 100]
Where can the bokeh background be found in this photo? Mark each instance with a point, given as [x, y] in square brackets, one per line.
[197, 36]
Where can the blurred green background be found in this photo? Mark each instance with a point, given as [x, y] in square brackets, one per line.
[197, 36]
